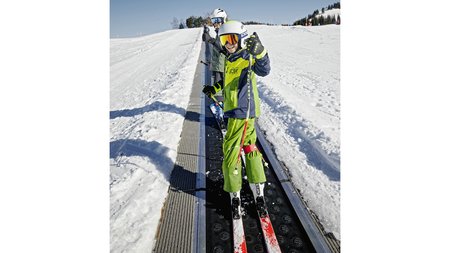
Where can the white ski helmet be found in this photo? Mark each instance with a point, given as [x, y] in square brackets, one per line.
[219, 13]
[234, 27]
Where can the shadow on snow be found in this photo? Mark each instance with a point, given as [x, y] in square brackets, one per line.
[181, 179]
[155, 106]
[155, 151]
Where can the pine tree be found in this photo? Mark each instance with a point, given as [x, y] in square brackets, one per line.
[190, 22]
[198, 22]
[321, 20]
[328, 20]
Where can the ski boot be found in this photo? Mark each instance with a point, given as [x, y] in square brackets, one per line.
[236, 205]
[258, 194]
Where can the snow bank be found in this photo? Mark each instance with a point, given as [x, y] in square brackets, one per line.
[151, 81]
[301, 111]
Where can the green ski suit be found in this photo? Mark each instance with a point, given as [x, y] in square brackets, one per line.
[235, 95]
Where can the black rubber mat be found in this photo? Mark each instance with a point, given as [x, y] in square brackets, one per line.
[219, 239]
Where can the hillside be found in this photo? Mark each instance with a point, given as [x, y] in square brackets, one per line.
[151, 79]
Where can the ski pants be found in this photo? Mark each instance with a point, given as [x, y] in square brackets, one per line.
[231, 169]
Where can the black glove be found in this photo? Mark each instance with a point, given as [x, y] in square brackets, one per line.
[254, 45]
[208, 90]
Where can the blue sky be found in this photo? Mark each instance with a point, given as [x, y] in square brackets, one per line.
[129, 18]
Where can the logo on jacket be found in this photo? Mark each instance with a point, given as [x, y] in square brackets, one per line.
[232, 70]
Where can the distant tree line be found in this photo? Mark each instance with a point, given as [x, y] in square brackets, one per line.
[313, 19]
[191, 22]
[177, 24]
[334, 6]
[321, 20]
[254, 23]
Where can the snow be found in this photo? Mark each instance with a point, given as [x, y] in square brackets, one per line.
[331, 13]
[301, 112]
[151, 79]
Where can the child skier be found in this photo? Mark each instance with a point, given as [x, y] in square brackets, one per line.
[241, 107]
[218, 17]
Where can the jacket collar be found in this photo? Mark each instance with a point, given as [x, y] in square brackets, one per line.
[241, 53]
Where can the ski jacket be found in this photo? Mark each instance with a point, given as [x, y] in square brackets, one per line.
[217, 58]
[234, 85]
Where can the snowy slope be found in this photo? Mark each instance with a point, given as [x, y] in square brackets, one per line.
[301, 111]
[151, 79]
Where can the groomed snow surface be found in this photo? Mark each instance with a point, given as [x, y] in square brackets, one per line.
[151, 80]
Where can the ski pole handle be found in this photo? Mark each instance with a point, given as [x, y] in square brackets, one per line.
[215, 100]
[211, 96]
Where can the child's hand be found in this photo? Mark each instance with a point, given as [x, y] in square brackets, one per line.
[254, 45]
[208, 90]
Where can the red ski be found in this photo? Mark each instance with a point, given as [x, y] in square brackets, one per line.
[240, 245]
[269, 235]
[266, 224]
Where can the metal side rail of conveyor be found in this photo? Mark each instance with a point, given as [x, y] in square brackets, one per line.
[182, 225]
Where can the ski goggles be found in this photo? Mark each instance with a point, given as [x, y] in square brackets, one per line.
[229, 38]
[217, 20]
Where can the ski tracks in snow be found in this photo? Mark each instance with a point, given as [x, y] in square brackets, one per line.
[299, 146]
[309, 139]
